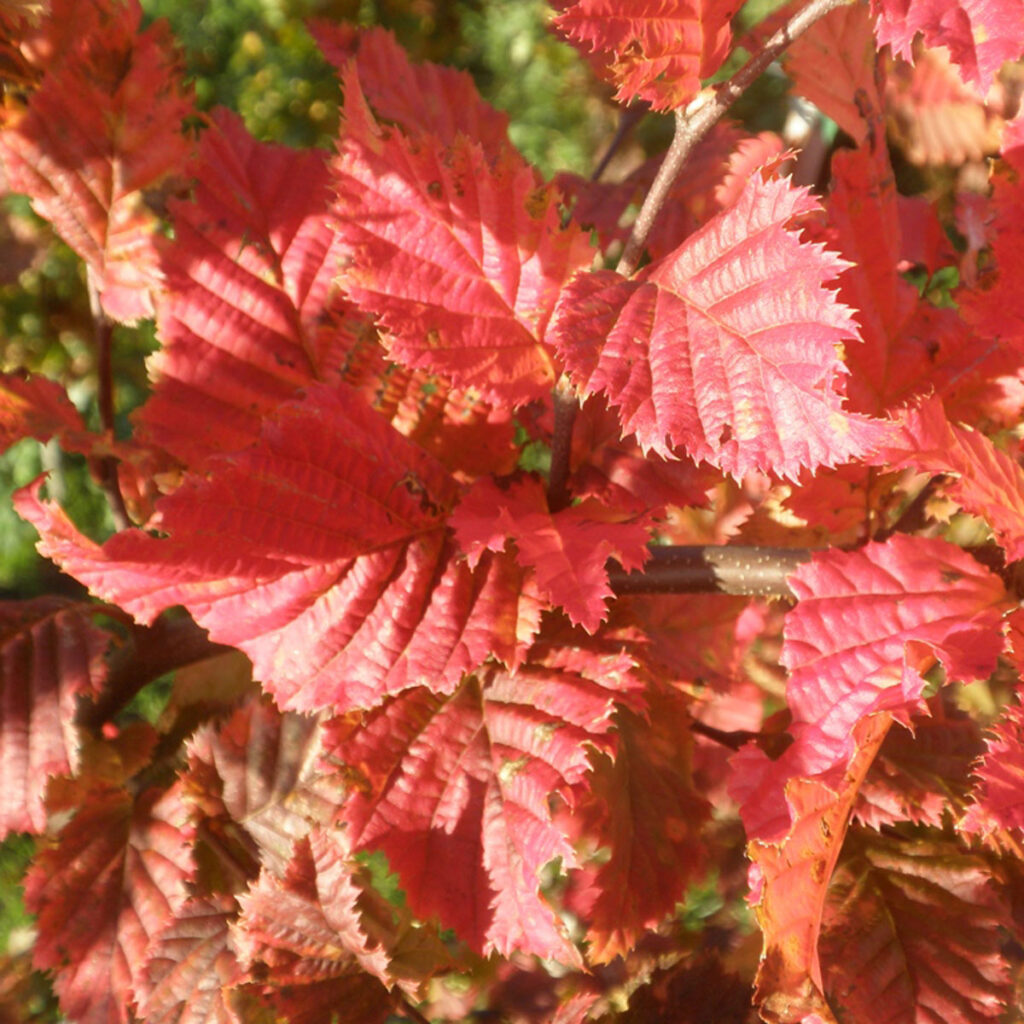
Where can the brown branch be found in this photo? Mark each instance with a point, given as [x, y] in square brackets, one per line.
[566, 407]
[712, 569]
[693, 123]
[106, 466]
[754, 571]
[173, 641]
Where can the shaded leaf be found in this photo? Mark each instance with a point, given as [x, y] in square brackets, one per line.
[913, 932]
[301, 940]
[643, 813]
[260, 770]
[922, 775]
[727, 347]
[191, 967]
[321, 552]
[114, 879]
[51, 654]
[565, 550]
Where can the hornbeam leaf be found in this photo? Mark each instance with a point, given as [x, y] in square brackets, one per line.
[981, 35]
[250, 277]
[259, 769]
[461, 258]
[300, 937]
[114, 879]
[565, 550]
[833, 65]
[50, 655]
[924, 776]
[35, 407]
[104, 124]
[426, 98]
[913, 931]
[651, 50]
[865, 626]
[790, 873]
[322, 553]
[466, 781]
[191, 967]
[645, 817]
[727, 347]
[987, 482]
[999, 792]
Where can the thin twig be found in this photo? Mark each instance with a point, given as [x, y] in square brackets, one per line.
[106, 466]
[693, 123]
[173, 641]
[627, 120]
[566, 407]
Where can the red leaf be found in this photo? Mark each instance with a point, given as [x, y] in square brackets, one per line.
[115, 878]
[833, 65]
[301, 937]
[321, 552]
[913, 932]
[35, 407]
[979, 34]
[104, 124]
[191, 967]
[989, 482]
[460, 257]
[790, 875]
[654, 51]
[466, 781]
[50, 655]
[643, 808]
[250, 275]
[727, 347]
[566, 550]
[421, 99]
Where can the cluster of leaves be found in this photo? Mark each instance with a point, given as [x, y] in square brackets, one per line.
[443, 734]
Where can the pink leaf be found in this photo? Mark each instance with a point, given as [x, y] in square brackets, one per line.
[421, 99]
[302, 938]
[726, 347]
[191, 967]
[260, 770]
[651, 50]
[988, 482]
[999, 794]
[981, 35]
[114, 879]
[461, 258]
